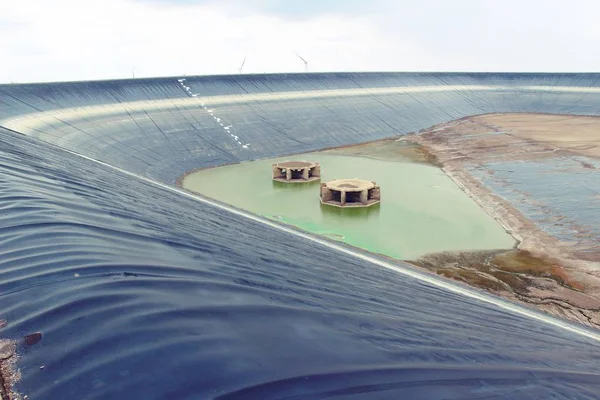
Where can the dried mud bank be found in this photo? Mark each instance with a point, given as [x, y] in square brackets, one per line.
[519, 275]
[557, 276]
[9, 375]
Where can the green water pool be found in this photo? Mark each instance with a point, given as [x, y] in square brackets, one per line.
[421, 211]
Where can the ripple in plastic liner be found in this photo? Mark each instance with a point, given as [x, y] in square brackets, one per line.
[417, 383]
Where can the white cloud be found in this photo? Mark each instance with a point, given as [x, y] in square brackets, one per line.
[75, 39]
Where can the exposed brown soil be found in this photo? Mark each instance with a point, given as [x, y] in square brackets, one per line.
[522, 137]
[9, 375]
[575, 134]
[389, 150]
[560, 278]
[519, 275]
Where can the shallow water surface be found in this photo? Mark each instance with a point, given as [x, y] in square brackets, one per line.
[422, 210]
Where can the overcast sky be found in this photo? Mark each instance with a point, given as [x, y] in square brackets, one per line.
[47, 40]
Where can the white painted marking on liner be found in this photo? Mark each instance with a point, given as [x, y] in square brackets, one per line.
[426, 278]
[210, 111]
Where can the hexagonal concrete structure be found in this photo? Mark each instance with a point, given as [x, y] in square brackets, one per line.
[350, 193]
[296, 171]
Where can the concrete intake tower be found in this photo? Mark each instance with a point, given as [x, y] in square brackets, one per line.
[350, 193]
[296, 171]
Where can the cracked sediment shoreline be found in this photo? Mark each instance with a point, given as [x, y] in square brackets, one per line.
[560, 278]
[9, 375]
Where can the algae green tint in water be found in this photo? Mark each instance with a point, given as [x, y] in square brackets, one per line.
[421, 211]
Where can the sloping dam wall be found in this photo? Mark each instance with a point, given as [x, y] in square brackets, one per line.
[142, 291]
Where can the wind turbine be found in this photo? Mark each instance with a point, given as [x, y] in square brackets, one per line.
[304, 61]
[242, 66]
